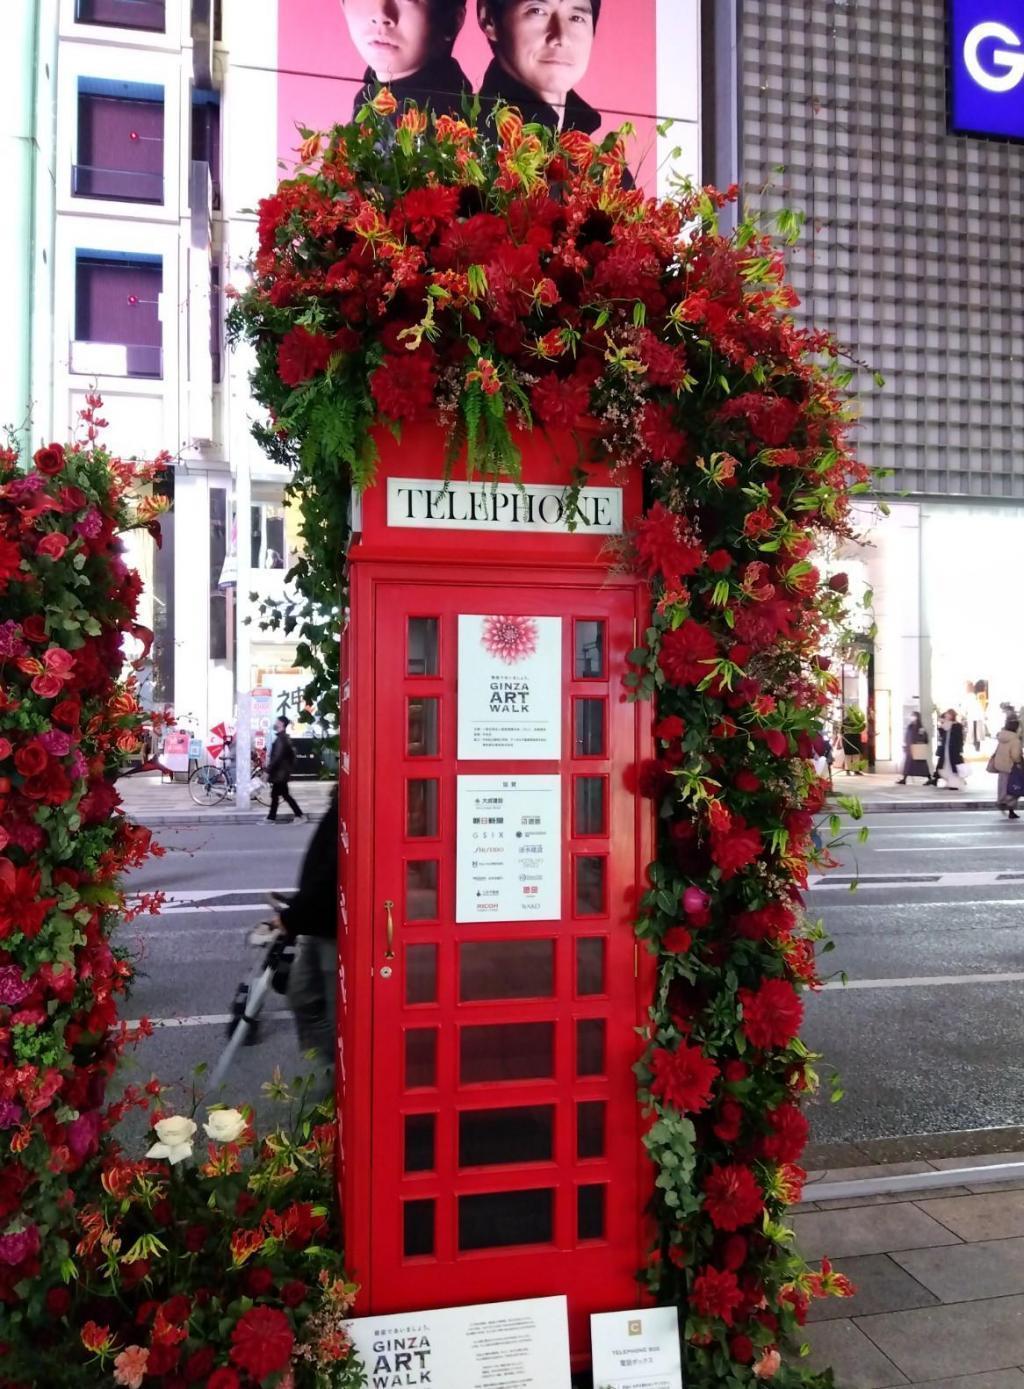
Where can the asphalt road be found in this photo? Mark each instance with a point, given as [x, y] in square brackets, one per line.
[926, 1035]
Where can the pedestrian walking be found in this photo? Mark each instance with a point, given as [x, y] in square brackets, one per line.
[280, 768]
[949, 754]
[311, 920]
[1008, 756]
[916, 750]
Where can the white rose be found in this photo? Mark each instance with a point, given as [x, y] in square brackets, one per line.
[175, 1135]
[225, 1125]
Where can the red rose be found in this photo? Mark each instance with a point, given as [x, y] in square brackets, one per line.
[223, 1379]
[51, 787]
[771, 1016]
[839, 583]
[729, 1123]
[719, 561]
[302, 355]
[49, 461]
[676, 940]
[670, 728]
[199, 1366]
[732, 1197]
[294, 1293]
[736, 848]
[52, 545]
[67, 713]
[258, 1281]
[747, 782]
[31, 759]
[262, 1341]
[58, 1302]
[653, 780]
[734, 1252]
[34, 628]
[10, 561]
[716, 1294]
[195, 1237]
[162, 1359]
[177, 1309]
[46, 686]
[72, 499]
[741, 1348]
[5, 749]
[788, 1136]
[683, 1078]
[774, 921]
[774, 740]
[686, 654]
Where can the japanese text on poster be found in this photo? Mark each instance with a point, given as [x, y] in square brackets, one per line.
[510, 676]
[509, 861]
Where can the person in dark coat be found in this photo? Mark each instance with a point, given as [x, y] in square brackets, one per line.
[310, 918]
[949, 753]
[280, 768]
[540, 52]
[914, 739]
[408, 48]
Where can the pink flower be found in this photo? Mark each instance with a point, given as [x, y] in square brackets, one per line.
[18, 1246]
[769, 1364]
[511, 639]
[10, 1114]
[90, 525]
[130, 1367]
[11, 643]
[58, 662]
[46, 686]
[56, 743]
[13, 989]
[52, 545]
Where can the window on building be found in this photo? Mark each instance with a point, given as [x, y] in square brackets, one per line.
[150, 15]
[218, 554]
[117, 303]
[120, 142]
[216, 311]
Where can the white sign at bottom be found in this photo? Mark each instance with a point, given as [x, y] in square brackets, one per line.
[499, 1345]
[637, 1350]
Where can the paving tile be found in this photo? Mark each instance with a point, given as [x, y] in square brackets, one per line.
[882, 1286]
[994, 1379]
[840, 1346]
[869, 1230]
[993, 1215]
[962, 1339]
[950, 1164]
[849, 1203]
[966, 1272]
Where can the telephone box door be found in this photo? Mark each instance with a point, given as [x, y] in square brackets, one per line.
[505, 1127]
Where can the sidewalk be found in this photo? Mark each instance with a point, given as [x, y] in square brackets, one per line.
[879, 794]
[939, 1274]
[160, 803]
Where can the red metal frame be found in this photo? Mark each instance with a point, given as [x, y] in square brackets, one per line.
[396, 574]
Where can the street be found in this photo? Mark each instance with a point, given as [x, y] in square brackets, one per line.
[925, 1035]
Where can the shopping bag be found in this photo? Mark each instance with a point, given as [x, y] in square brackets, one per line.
[919, 751]
[1015, 783]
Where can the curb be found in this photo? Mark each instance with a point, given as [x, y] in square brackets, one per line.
[190, 819]
[898, 807]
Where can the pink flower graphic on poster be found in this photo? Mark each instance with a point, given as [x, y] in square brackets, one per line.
[511, 639]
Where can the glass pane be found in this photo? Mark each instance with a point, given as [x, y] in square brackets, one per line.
[590, 1047]
[590, 875]
[423, 726]
[506, 969]
[589, 650]
[490, 1136]
[507, 1051]
[590, 1129]
[418, 1222]
[419, 1142]
[421, 1058]
[421, 890]
[589, 727]
[590, 1212]
[423, 646]
[590, 967]
[500, 1219]
[590, 795]
[421, 974]
[422, 819]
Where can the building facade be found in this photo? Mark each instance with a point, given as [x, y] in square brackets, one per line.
[912, 255]
[135, 196]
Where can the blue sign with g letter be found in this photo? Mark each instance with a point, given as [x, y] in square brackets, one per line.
[987, 67]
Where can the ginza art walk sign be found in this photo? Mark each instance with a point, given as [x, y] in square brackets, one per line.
[492, 988]
[986, 64]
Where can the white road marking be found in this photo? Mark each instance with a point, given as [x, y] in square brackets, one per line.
[928, 981]
[929, 849]
[995, 877]
[207, 1020]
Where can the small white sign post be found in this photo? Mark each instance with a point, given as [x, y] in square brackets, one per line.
[637, 1350]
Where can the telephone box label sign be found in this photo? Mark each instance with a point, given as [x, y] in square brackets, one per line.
[637, 1350]
[484, 506]
[509, 859]
[504, 1345]
[510, 688]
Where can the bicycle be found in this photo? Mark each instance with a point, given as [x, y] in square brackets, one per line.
[214, 782]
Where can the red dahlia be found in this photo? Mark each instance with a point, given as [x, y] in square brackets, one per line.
[771, 1016]
[663, 548]
[683, 1078]
[262, 1341]
[403, 386]
[302, 355]
[716, 1294]
[788, 1136]
[732, 1197]
[735, 848]
[561, 404]
[686, 654]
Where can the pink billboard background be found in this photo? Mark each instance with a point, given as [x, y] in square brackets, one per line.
[321, 72]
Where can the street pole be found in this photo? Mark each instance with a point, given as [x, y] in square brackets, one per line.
[243, 669]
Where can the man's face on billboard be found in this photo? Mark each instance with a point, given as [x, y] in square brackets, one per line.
[393, 37]
[544, 43]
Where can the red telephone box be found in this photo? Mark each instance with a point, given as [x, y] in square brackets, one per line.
[490, 1132]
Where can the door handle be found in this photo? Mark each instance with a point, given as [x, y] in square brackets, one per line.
[389, 930]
